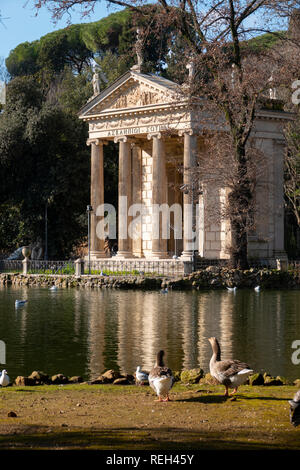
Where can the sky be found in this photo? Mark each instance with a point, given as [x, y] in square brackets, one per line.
[21, 24]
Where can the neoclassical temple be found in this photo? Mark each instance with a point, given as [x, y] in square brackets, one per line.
[157, 132]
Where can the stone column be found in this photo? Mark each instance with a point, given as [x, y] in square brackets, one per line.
[125, 198]
[191, 190]
[278, 159]
[159, 195]
[136, 167]
[97, 195]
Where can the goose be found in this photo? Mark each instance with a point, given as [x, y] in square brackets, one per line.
[4, 379]
[257, 288]
[161, 378]
[19, 303]
[295, 409]
[231, 289]
[230, 372]
[141, 376]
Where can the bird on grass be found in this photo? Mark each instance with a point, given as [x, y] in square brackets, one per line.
[295, 409]
[4, 379]
[230, 372]
[141, 376]
[161, 378]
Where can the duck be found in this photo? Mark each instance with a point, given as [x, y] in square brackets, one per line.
[230, 372]
[19, 303]
[141, 376]
[257, 288]
[295, 409]
[161, 378]
[4, 379]
[231, 289]
[53, 288]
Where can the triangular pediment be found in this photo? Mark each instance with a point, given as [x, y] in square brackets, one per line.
[132, 91]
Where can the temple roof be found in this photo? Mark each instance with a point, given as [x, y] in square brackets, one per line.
[133, 91]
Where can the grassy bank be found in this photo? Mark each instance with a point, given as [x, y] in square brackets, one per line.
[107, 417]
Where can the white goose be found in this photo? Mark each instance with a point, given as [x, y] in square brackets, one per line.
[295, 409]
[231, 373]
[141, 376]
[4, 379]
[161, 379]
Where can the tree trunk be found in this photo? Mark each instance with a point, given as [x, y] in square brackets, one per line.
[240, 199]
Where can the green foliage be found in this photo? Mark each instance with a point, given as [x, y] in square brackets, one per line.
[43, 158]
[23, 59]
[75, 90]
[264, 41]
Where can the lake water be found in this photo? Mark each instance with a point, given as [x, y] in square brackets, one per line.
[84, 332]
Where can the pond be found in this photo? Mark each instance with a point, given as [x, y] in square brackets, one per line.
[84, 332]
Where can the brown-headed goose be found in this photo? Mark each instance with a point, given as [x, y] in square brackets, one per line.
[229, 372]
[161, 378]
[295, 409]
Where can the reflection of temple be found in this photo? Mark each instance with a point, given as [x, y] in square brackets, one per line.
[157, 131]
[129, 328]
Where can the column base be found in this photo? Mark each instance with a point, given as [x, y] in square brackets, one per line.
[123, 255]
[159, 255]
[98, 254]
[186, 256]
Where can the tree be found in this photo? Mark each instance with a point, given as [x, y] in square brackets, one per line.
[43, 159]
[230, 76]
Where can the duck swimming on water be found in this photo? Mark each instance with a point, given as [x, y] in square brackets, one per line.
[230, 372]
[161, 378]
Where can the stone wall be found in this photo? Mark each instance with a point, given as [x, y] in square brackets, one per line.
[213, 277]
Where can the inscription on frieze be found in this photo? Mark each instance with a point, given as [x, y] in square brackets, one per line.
[136, 130]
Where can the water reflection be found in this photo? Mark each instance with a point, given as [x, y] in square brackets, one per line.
[87, 331]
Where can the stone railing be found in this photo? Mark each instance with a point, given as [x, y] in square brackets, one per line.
[134, 267]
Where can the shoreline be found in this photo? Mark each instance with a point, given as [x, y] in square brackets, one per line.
[212, 277]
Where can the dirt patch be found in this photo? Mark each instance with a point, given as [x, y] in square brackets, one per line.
[109, 417]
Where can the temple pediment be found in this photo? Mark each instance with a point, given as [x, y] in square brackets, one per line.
[133, 91]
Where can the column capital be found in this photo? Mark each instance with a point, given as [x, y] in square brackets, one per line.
[181, 132]
[151, 135]
[94, 141]
[122, 138]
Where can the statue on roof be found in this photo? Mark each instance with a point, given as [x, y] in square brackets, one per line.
[96, 83]
[139, 52]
